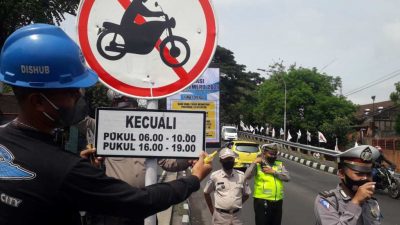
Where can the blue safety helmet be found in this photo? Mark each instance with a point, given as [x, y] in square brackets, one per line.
[43, 56]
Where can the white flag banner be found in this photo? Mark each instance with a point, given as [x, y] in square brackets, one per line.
[251, 128]
[336, 146]
[257, 128]
[289, 137]
[267, 131]
[261, 129]
[242, 125]
[273, 132]
[299, 134]
[321, 137]
[281, 132]
[356, 144]
[308, 136]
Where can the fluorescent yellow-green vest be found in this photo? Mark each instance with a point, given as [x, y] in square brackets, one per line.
[266, 186]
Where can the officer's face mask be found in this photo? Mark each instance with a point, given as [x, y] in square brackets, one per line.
[271, 160]
[228, 165]
[68, 116]
[271, 157]
[353, 185]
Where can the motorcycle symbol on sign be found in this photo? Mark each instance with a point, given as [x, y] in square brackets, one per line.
[136, 36]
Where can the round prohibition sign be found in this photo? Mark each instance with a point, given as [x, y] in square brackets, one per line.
[177, 48]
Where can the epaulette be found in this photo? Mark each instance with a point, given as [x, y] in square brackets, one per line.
[240, 172]
[326, 194]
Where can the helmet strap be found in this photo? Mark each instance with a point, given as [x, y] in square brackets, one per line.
[48, 116]
[48, 100]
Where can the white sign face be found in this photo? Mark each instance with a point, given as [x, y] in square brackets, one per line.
[150, 133]
[147, 49]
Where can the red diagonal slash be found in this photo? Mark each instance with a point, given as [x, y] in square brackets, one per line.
[186, 77]
[180, 71]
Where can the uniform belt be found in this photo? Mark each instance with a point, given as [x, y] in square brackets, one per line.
[227, 211]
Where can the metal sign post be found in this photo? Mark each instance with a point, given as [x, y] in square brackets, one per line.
[151, 168]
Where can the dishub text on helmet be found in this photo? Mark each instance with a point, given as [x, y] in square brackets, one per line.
[27, 69]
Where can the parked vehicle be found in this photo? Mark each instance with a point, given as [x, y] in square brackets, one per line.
[387, 181]
[247, 152]
[229, 133]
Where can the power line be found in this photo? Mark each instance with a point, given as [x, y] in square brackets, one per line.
[375, 82]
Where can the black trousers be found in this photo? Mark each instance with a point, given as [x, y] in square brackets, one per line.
[268, 212]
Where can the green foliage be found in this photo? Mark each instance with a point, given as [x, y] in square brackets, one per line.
[395, 98]
[338, 128]
[6, 88]
[17, 13]
[96, 96]
[306, 89]
[397, 124]
[237, 88]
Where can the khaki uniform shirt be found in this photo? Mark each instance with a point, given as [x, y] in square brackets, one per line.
[229, 189]
[335, 207]
[133, 170]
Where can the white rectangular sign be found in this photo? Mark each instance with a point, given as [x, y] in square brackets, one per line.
[150, 133]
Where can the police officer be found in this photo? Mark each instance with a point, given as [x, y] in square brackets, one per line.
[230, 191]
[351, 202]
[268, 186]
[39, 182]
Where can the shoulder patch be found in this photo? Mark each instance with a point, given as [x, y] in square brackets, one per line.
[324, 203]
[11, 171]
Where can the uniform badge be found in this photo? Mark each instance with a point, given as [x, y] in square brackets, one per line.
[344, 195]
[375, 211]
[366, 154]
[324, 203]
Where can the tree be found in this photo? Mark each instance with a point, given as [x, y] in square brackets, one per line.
[338, 128]
[17, 13]
[237, 87]
[395, 98]
[96, 96]
[311, 100]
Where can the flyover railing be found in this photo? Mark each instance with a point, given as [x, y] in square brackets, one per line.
[288, 144]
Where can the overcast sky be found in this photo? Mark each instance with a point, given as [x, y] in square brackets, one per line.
[358, 40]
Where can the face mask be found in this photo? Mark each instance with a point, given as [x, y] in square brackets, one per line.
[228, 165]
[353, 185]
[68, 116]
[271, 160]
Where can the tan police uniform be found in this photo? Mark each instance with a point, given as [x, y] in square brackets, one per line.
[335, 206]
[133, 170]
[229, 190]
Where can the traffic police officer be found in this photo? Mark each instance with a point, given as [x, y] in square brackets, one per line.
[351, 202]
[39, 182]
[268, 186]
[230, 191]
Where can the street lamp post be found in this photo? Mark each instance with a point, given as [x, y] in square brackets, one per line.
[372, 115]
[284, 110]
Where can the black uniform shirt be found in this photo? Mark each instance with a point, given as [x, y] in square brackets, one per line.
[41, 184]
